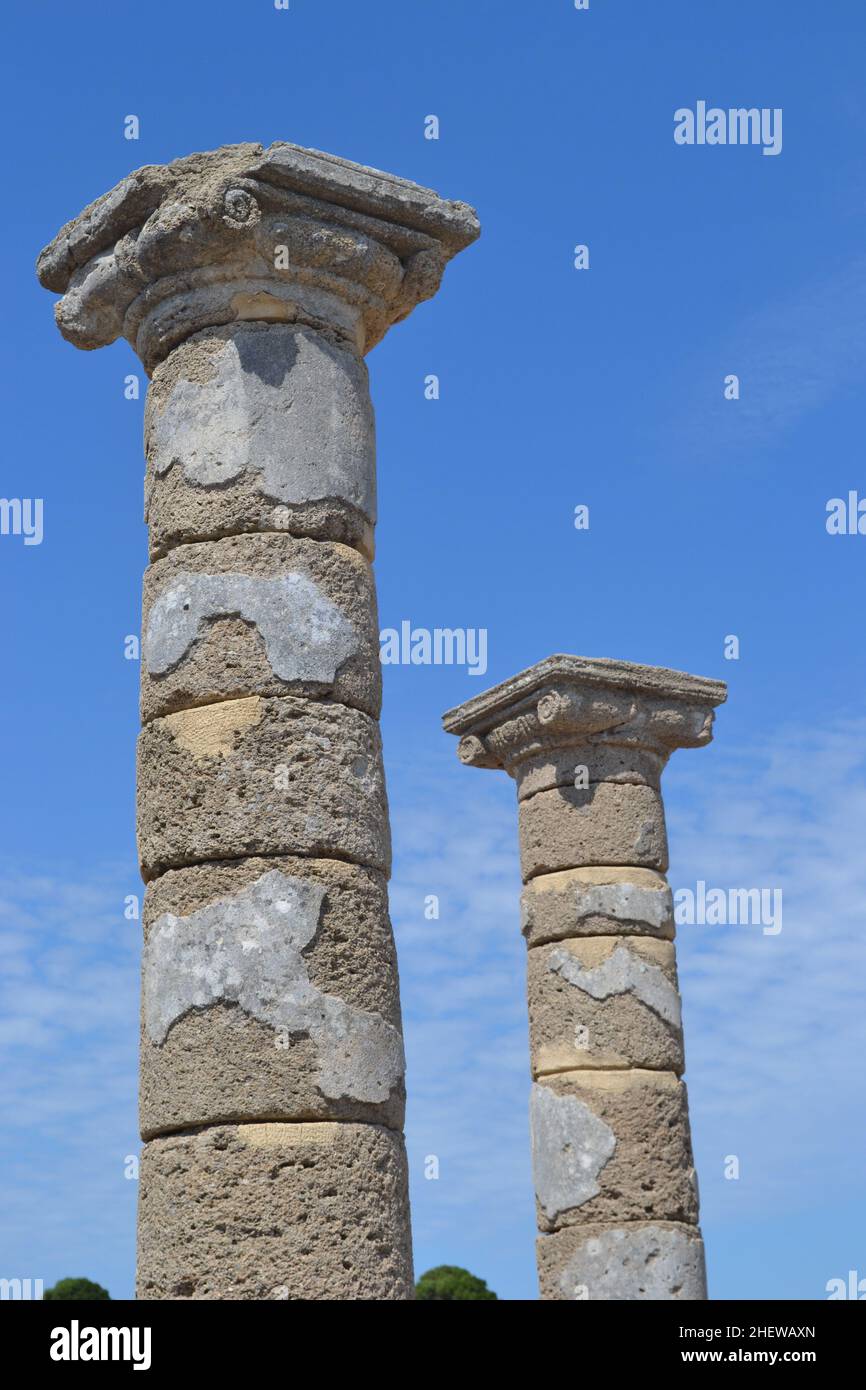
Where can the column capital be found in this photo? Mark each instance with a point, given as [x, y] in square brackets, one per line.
[586, 739]
[631, 717]
[281, 234]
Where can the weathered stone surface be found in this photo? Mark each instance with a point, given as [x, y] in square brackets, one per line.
[269, 991]
[250, 281]
[611, 1146]
[637, 1262]
[597, 901]
[586, 740]
[260, 427]
[261, 777]
[259, 615]
[274, 1211]
[195, 178]
[590, 762]
[570, 720]
[564, 701]
[244, 233]
[606, 823]
[604, 1002]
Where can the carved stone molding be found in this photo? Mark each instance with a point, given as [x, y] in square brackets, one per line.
[620, 719]
[245, 233]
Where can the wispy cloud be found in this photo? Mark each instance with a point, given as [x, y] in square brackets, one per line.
[775, 1025]
[462, 980]
[68, 1042]
[792, 356]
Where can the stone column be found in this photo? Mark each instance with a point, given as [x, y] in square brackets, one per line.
[251, 282]
[586, 742]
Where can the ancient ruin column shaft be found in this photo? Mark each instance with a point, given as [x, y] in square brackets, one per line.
[251, 282]
[586, 742]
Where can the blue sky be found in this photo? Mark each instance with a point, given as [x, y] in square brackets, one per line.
[558, 387]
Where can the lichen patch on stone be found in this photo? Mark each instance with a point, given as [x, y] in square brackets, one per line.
[306, 636]
[625, 902]
[246, 949]
[622, 973]
[570, 1147]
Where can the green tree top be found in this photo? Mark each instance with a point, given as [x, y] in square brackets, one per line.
[451, 1282]
[80, 1289]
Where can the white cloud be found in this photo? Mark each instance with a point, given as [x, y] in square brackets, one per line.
[68, 1037]
[776, 1028]
[775, 1025]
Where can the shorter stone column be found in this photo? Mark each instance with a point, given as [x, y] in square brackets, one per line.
[586, 741]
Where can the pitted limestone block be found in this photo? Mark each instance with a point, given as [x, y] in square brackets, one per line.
[591, 762]
[611, 1146]
[604, 1002]
[259, 615]
[261, 777]
[275, 1211]
[597, 901]
[260, 427]
[606, 823]
[632, 1263]
[269, 991]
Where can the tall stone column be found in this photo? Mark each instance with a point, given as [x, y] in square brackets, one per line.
[251, 282]
[586, 742]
